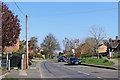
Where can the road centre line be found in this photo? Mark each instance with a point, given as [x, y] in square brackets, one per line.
[40, 70]
[83, 73]
[98, 77]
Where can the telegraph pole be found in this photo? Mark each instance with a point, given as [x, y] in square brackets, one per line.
[27, 39]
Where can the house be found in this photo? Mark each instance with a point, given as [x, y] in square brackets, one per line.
[115, 44]
[84, 48]
[112, 45]
[102, 48]
[15, 47]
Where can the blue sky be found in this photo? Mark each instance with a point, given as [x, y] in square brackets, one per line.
[66, 19]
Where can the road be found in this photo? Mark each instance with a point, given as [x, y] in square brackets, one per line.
[54, 69]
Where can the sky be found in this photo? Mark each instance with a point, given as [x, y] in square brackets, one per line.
[66, 19]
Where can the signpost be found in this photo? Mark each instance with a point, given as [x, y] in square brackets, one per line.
[73, 50]
[109, 53]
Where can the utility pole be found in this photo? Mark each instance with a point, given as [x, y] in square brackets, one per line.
[27, 39]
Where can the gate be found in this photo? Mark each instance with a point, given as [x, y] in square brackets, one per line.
[15, 60]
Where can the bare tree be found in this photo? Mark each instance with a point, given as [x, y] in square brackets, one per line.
[74, 43]
[66, 43]
[69, 44]
[50, 45]
[98, 34]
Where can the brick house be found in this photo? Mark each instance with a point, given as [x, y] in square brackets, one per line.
[12, 48]
[84, 48]
[115, 44]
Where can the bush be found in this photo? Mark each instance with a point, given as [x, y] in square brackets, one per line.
[13, 51]
[38, 55]
[29, 62]
[30, 57]
[21, 51]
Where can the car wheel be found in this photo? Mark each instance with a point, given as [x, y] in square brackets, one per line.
[79, 63]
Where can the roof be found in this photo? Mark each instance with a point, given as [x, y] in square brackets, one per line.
[100, 45]
[114, 44]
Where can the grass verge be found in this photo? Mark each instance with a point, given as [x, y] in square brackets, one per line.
[96, 61]
[10, 79]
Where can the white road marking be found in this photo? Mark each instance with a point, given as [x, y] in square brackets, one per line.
[32, 67]
[83, 73]
[3, 76]
[98, 77]
[78, 71]
[40, 70]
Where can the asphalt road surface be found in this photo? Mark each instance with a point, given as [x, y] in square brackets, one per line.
[54, 69]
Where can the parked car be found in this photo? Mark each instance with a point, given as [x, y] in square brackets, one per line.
[73, 60]
[61, 59]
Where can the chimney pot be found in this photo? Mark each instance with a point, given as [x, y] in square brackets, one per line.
[116, 37]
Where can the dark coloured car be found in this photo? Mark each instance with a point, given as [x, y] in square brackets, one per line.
[61, 59]
[73, 60]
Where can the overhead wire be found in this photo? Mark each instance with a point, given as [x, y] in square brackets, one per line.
[19, 8]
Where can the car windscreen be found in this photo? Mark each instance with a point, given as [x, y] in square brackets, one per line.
[73, 58]
[61, 57]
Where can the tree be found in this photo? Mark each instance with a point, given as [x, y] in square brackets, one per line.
[87, 47]
[50, 45]
[70, 44]
[110, 40]
[21, 46]
[66, 43]
[33, 44]
[21, 49]
[74, 43]
[10, 26]
[98, 34]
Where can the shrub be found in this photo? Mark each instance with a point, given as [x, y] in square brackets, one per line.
[38, 55]
[29, 62]
[13, 51]
[21, 51]
[30, 57]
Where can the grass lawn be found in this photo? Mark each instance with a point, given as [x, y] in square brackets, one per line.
[97, 61]
[116, 58]
[10, 79]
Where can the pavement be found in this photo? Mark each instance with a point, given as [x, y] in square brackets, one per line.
[32, 72]
[116, 61]
[54, 69]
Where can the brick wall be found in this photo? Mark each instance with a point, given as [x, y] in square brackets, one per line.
[24, 62]
[11, 48]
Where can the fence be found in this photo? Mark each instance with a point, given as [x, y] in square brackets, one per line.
[4, 64]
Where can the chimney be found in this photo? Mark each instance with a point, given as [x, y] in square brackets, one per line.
[116, 37]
